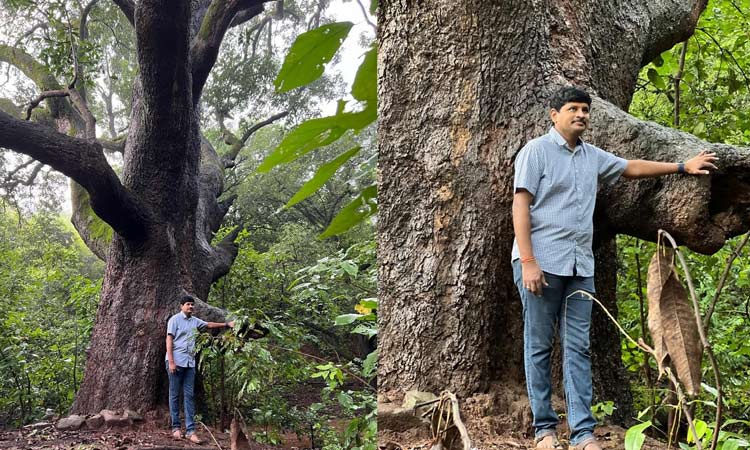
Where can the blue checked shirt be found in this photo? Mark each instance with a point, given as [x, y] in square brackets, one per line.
[184, 330]
[564, 185]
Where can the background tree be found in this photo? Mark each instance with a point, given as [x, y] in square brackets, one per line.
[457, 103]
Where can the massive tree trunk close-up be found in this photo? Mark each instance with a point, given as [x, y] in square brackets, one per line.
[463, 85]
[155, 223]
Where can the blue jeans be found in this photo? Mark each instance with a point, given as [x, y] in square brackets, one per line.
[183, 378]
[541, 316]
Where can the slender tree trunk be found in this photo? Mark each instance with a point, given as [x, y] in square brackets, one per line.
[463, 86]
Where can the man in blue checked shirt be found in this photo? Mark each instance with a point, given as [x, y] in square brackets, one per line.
[180, 361]
[555, 185]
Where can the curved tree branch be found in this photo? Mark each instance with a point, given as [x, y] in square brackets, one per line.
[128, 8]
[44, 95]
[237, 144]
[43, 79]
[84, 162]
[205, 46]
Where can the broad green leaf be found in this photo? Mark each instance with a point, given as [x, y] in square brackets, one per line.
[370, 363]
[310, 51]
[365, 330]
[355, 212]
[369, 303]
[700, 430]
[731, 444]
[373, 6]
[655, 78]
[324, 173]
[350, 268]
[315, 133]
[365, 86]
[634, 437]
[346, 319]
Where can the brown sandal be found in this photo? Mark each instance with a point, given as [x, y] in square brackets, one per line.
[547, 442]
[589, 444]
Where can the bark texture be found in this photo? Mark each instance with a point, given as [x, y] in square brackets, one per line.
[462, 87]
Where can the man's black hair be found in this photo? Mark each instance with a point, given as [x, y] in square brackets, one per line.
[567, 95]
[187, 298]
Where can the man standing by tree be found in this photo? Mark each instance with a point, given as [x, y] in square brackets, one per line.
[555, 186]
[181, 331]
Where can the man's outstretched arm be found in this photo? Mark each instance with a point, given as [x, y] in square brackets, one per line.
[698, 165]
[213, 325]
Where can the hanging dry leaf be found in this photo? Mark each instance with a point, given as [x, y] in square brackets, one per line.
[672, 322]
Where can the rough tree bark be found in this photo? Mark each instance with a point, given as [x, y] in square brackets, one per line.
[154, 226]
[462, 86]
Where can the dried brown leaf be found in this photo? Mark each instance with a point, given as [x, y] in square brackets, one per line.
[672, 322]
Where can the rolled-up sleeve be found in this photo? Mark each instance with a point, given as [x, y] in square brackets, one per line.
[528, 169]
[610, 166]
[172, 327]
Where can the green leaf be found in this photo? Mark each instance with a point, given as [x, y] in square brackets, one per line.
[731, 444]
[346, 319]
[700, 430]
[699, 129]
[355, 212]
[656, 79]
[310, 51]
[634, 437]
[315, 133]
[365, 330]
[710, 389]
[324, 173]
[369, 365]
[350, 268]
[365, 86]
[373, 6]
[369, 303]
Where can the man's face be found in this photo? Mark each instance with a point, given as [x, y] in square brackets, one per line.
[187, 308]
[572, 119]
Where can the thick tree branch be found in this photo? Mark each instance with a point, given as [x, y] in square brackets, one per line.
[205, 46]
[162, 30]
[84, 162]
[700, 211]
[226, 252]
[116, 145]
[128, 8]
[669, 24]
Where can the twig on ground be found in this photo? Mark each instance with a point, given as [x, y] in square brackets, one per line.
[210, 434]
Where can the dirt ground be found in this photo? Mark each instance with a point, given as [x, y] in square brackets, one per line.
[143, 438]
[497, 420]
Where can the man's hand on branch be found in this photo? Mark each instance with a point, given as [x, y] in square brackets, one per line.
[699, 164]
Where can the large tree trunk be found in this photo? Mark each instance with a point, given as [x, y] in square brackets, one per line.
[463, 85]
[155, 226]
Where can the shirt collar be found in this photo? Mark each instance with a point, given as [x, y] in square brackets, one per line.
[557, 137]
[184, 316]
